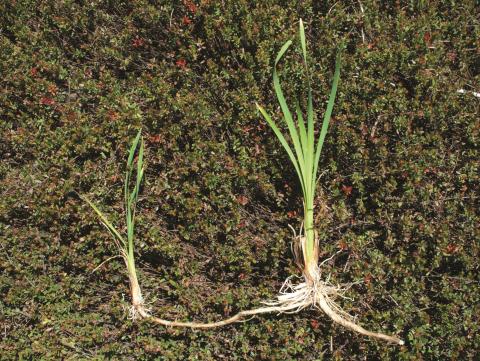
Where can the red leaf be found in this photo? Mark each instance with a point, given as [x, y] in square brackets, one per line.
[190, 6]
[181, 63]
[47, 101]
[347, 190]
[291, 214]
[186, 20]
[451, 248]
[242, 200]
[112, 115]
[155, 139]
[138, 42]
[427, 37]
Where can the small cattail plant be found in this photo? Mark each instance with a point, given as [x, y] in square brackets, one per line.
[313, 291]
[125, 245]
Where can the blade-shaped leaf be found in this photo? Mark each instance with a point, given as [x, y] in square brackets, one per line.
[139, 169]
[310, 141]
[282, 51]
[130, 226]
[131, 153]
[286, 112]
[301, 127]
[328, 112]
[302, 41]
[104, 220]
[284, 143]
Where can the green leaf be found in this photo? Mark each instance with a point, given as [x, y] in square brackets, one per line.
[131, 153]
[302, 41]
[283, 141]
[286, 113]
[282, 51]
[104, 220]
[301, 126]
[328, 112]
[139, 169]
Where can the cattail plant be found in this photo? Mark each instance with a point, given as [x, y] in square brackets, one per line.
[305, 157]
[125, 245]
[313, 291]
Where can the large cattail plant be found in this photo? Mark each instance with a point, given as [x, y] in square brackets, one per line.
[313, 291]
[305, 157]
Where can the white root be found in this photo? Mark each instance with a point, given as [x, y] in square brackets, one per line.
[321, 295]
[292, 298]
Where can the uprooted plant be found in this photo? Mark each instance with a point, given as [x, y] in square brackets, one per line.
[314, 291]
